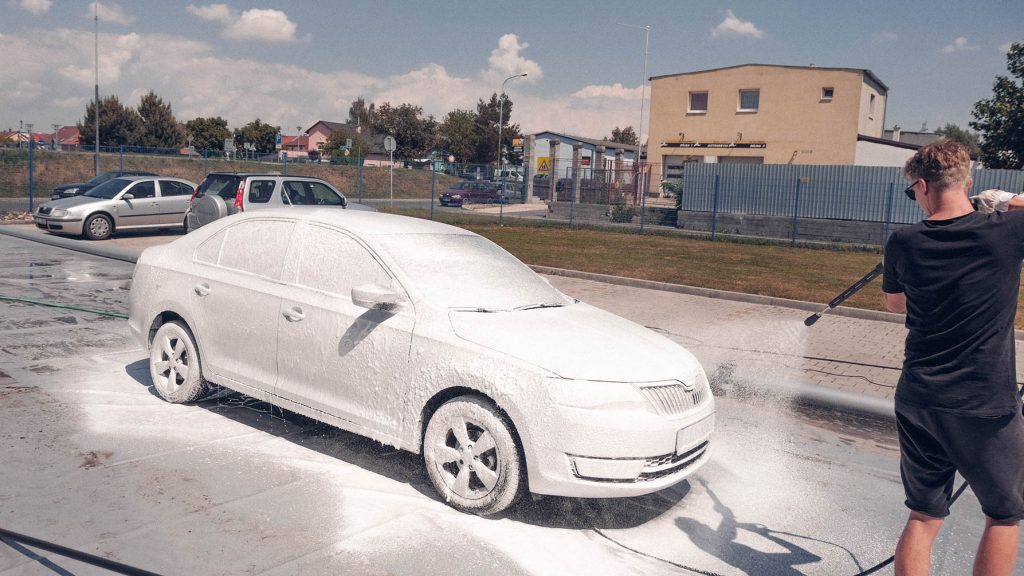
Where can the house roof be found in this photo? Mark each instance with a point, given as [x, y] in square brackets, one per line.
[864, 71]
[589, 143]
[376, 141]
[888, 142]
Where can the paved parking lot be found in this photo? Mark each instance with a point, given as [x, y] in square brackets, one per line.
[94, 460]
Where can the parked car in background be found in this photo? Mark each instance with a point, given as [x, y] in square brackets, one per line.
[79, 188]
[429, 338]
[126, 202]
[471, 192]
[222, 194]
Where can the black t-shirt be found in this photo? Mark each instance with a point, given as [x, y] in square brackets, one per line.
[961, 278]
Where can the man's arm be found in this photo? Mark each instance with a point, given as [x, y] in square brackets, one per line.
[997, 201]
[895, 302]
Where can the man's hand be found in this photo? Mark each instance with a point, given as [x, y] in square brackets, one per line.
[993, 201]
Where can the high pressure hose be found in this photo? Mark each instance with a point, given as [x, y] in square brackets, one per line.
[109, 313]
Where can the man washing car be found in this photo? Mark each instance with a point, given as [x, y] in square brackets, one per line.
[956, 275]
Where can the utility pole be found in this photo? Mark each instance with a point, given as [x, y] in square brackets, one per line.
[96, 155]
[501, 176]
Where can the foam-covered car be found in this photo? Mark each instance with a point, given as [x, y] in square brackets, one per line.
[429, 338]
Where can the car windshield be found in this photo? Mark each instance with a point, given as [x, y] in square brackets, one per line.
[108, 189]
[102, 178]
[464, 271]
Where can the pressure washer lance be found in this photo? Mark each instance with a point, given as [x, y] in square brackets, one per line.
[845, 295]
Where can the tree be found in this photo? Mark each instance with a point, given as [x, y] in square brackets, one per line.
[261, 135]
[624, 136]
[360, 145]
[414, 135]
[359, 114]
[157, 126]
[966, 137]
[457, 134]
[118, 125]
[487, 115]
[208, 133]
[1000, 119]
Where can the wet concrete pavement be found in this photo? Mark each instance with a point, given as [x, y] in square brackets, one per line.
[94, 460]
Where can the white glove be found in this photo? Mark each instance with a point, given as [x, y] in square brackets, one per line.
[993, 201]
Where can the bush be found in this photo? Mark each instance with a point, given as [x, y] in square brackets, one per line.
[623, 212]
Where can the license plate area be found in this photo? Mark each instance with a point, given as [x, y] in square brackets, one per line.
[694, 434]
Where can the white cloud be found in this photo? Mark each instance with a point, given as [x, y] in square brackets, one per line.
[260, 24]
[1006, 47]
[218, 12]
[36, 7]
[506, 60]
[958, 45]
[110, 13]
[616, 90]
[887, 36]
[734, 26]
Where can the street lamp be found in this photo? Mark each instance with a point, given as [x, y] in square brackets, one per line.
[501, 175]
[643, 98]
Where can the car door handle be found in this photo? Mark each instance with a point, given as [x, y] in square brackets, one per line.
[293, 314]
[202, 289]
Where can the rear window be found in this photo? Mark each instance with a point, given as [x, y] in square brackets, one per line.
[223, 185]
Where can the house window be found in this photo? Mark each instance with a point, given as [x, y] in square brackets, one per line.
[827, 93]
[871, 108]
[698, 103]
[749, 100]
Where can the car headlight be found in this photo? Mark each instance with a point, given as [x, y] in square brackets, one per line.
[456, 196]
[592, 395]
[59, 213]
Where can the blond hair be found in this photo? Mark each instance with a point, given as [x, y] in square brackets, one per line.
[942, 163]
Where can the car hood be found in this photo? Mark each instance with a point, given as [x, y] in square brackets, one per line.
[73, 185]
[578, 341]
[72, 201]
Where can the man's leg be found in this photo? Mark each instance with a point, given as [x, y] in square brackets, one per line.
[914, 551]
[997, 552]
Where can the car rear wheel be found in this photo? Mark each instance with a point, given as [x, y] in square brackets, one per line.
[98, 227]
[174, 364]
[471, 457]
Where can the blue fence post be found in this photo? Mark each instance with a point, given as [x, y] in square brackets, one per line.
[433, 187]
[643, 198]
[31, 173]
[120, 159]
[359, 185]
[888, 213]
[714, 208]
[572, 199]
[206, 162]
[796, 210]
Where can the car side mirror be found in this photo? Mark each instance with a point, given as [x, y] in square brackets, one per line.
[376, 297]
[128, 196]
[344, 202]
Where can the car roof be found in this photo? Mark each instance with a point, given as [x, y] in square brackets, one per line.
[362, 223]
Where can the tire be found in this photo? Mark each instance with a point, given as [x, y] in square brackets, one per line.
[98, 227]
[472, 427]
[174, 365]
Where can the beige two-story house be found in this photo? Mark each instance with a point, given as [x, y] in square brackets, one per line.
[758, 113]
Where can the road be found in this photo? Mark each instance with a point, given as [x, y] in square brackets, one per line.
[94, 460]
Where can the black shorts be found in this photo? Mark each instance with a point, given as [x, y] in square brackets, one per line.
[987, 451]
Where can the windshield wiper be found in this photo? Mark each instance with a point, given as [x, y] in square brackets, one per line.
[535, 306]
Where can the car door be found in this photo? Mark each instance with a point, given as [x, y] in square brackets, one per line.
[235, 300]
[141, 209]
[173, 198]
[333, 355]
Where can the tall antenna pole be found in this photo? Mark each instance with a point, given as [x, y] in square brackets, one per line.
[96, 20]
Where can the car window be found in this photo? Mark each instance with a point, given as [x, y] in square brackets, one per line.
[324, 195]
[257, 247]
[108, 189]
[334, 262]
[298, 193]
[223, 185]
[260, 191]
[143, 189]
[477, 272]
[209, 251]
[174, 188]
[102, 178]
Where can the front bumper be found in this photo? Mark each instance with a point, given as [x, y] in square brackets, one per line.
[63, 225]
[605, 454]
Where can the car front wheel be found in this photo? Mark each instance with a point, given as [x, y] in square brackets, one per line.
[471, 457]
[98, 227]
[174, 364]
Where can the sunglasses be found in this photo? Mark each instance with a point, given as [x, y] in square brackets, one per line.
[909, 190]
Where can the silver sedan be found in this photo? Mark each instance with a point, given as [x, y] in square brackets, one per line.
[127, 202]
[429, 338]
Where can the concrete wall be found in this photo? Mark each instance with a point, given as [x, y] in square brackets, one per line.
[875, 154]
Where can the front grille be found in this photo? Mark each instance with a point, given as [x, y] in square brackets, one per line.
[45, 209]
[674, 398]
[668, 464]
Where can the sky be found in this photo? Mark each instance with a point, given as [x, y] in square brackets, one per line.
[293, 63]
